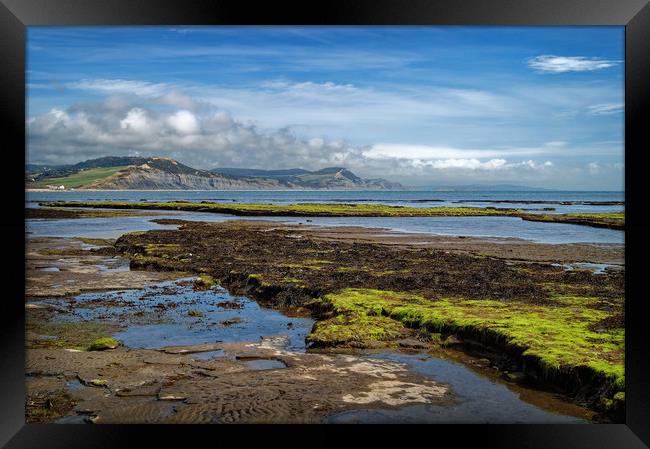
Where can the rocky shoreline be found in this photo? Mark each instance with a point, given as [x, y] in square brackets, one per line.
[370, 295]
[301, 270]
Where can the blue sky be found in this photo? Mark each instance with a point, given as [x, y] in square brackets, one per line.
[540, 106]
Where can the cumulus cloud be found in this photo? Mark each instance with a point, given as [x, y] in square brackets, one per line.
[136, 120]
[206, 140]
[491, 165]
[438, 116]
[471, 164]
[209, 138]
[562, 64]
[183, 122]
[384, 150]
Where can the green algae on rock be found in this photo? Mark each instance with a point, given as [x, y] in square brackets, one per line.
[356, 330]
[557, 342]
[204, 282]
[103, 343]
[56, 213]
[299, 210]
[610, 220]
[613, 220]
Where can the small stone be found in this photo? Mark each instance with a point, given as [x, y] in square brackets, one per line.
[171, 397]
[94, 419]
[453, 340]
[412, 343]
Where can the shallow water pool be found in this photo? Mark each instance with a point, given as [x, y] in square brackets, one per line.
[480, 400]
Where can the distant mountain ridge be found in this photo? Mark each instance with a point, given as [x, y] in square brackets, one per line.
[326, 178]
[161, 173]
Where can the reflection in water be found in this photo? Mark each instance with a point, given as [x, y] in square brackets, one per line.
[480, 400]
[173, 314]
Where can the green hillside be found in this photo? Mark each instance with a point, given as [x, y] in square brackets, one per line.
[77, 179]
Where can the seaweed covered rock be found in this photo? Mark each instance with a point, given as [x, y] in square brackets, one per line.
[104, 343]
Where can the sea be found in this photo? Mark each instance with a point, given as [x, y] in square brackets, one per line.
[547, 202]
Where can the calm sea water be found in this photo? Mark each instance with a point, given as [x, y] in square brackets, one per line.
[468, 226]
[398, 198]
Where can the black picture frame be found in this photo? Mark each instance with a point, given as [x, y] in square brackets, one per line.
[15, 15]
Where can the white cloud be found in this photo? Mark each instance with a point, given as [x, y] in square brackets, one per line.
[120, 86]
[534, 164]
[202, 134]
[205, 140]
[136, 120]
[308, 86]
[470, 164]
[209, 139]
[474, 164]
[314, 103]
[384, 150]
[178, 99]
[184, 122]
[384, 113]
[606, 108]
[562, 64]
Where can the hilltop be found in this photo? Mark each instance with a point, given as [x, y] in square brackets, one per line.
[161, 173]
